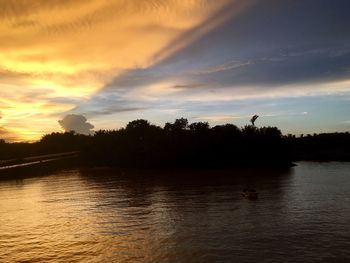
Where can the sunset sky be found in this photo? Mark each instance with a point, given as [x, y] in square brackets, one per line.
[220, 61]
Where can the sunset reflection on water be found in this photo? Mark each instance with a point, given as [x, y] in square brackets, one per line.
[105, 215]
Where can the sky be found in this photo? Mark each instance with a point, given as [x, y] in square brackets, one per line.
[86, 65]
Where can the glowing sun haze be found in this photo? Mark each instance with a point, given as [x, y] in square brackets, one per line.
[219, 61]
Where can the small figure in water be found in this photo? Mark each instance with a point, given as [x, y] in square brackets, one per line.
[250, 194]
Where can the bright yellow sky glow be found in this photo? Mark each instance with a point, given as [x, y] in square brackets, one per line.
[70, 49]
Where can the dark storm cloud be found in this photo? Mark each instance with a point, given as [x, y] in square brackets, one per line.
[311, 66]
[277, 42]
[139, 77]
[108, 103]
[77, 123]
[268, 46]
[272, 43]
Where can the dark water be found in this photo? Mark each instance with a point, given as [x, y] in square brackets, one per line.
[302, 215]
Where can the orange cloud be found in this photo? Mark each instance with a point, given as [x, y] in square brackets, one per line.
[69, 49]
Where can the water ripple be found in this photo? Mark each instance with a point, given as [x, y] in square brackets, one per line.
[109, 216]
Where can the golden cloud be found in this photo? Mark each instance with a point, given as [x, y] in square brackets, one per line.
[71, 48]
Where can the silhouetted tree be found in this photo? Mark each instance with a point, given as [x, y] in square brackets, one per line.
[179, 125]
[199, 127]
[137, 125]
[179, 144]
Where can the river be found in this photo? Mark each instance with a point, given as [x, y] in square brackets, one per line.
[109, 215]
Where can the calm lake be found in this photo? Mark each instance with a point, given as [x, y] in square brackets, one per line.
[105, 215]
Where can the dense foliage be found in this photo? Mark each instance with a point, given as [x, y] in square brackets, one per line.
[180, 144]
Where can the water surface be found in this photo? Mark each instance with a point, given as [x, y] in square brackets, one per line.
[105, 215]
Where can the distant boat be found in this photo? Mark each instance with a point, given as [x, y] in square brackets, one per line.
[250, 194]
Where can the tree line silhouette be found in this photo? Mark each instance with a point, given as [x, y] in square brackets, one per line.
[180, 144]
